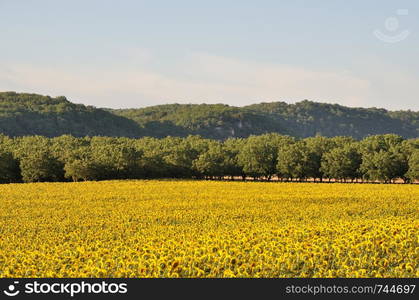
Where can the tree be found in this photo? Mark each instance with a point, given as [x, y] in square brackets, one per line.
[382, 166]
[316, 147]
[36, 160]
[377, 143]
[342, 163]
[41, 166]
[152, 163]
[292, 162]
[340, 141]
[259, 155]
[384, 157]
[413, 172]
[9, 168]
[80, 169]
[179, 155]
[115, 159]
[232, 148]
[401, 161]
[81, 165]
[211, 163]
[63, 147]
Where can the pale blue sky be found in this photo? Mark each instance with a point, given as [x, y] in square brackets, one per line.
[140, 53]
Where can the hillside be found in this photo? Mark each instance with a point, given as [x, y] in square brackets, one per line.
[217, 121]
[309, 118]
[31, 114]
[302, 119]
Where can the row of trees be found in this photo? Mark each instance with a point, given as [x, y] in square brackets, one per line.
[383, 158]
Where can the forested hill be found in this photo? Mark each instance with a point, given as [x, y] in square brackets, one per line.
[31, 114]
[302, 119]
[309, 118]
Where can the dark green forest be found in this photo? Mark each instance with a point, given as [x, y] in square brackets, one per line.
[31, 114]
[378, 158]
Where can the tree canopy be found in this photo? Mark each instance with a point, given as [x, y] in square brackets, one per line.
[383, 158]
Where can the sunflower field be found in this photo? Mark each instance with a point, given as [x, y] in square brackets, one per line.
[170, 228]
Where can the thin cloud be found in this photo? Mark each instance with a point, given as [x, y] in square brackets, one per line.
[200, 78]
